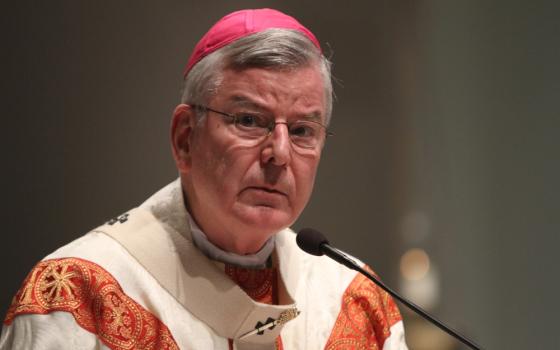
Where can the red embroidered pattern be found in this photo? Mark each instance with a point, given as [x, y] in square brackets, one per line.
[259, 284]
[364, 320]
[96, 301]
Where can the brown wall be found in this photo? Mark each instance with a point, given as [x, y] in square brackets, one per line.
[89, 87]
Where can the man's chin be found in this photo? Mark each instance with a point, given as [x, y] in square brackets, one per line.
[264, 217]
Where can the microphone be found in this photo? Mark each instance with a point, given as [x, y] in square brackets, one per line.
[315, 243]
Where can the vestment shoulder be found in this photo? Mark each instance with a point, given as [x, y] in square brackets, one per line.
[74, 280]
[95, 300]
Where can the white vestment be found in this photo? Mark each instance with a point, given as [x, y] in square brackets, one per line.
[140, 282]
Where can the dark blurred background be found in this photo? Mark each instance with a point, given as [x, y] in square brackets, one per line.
[442, 174]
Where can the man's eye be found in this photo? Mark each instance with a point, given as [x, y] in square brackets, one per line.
[303, 130]
[250, 121]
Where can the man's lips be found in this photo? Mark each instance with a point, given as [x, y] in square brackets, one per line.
[264, 197]
[266, 189]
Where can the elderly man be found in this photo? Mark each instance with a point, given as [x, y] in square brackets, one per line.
[208, 261]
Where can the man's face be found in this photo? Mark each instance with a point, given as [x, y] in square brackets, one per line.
[241, 194]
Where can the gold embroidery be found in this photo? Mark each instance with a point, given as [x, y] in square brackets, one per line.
[96, 301]
[55, 283]
[287, 315]
[28, 289]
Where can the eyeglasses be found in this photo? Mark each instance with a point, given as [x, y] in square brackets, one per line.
[256, 127]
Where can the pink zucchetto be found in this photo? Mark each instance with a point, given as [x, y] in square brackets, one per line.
[242, 23]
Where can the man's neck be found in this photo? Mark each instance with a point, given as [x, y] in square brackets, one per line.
[256, 260]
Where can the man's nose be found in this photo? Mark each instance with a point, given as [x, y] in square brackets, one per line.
[278, 146]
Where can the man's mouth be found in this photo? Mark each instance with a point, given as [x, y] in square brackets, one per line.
[267, 189]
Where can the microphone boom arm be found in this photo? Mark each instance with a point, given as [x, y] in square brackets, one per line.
[341, 258]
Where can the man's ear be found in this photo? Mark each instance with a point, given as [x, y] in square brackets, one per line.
[182, 125]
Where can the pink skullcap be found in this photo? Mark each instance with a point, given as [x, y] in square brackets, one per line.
[242, 23]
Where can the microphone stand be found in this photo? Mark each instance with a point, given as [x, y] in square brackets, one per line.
[340, 257]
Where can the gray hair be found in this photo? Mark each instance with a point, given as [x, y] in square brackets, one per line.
[273, 48]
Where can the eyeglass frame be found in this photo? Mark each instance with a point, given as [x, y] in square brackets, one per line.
[271, 126]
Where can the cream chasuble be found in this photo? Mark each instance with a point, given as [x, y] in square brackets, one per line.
[139, 282]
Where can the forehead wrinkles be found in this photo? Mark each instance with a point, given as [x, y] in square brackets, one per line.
[265, 89]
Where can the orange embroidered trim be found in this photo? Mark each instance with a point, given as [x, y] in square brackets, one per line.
[278, 344]
[366, 315]
[95, 299]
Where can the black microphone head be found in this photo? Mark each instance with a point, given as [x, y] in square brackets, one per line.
[310, 241]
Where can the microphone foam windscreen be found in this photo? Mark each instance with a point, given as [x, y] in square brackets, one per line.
[310, 241]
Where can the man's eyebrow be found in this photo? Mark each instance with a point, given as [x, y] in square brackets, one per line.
[244, 101]
[314, 116]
